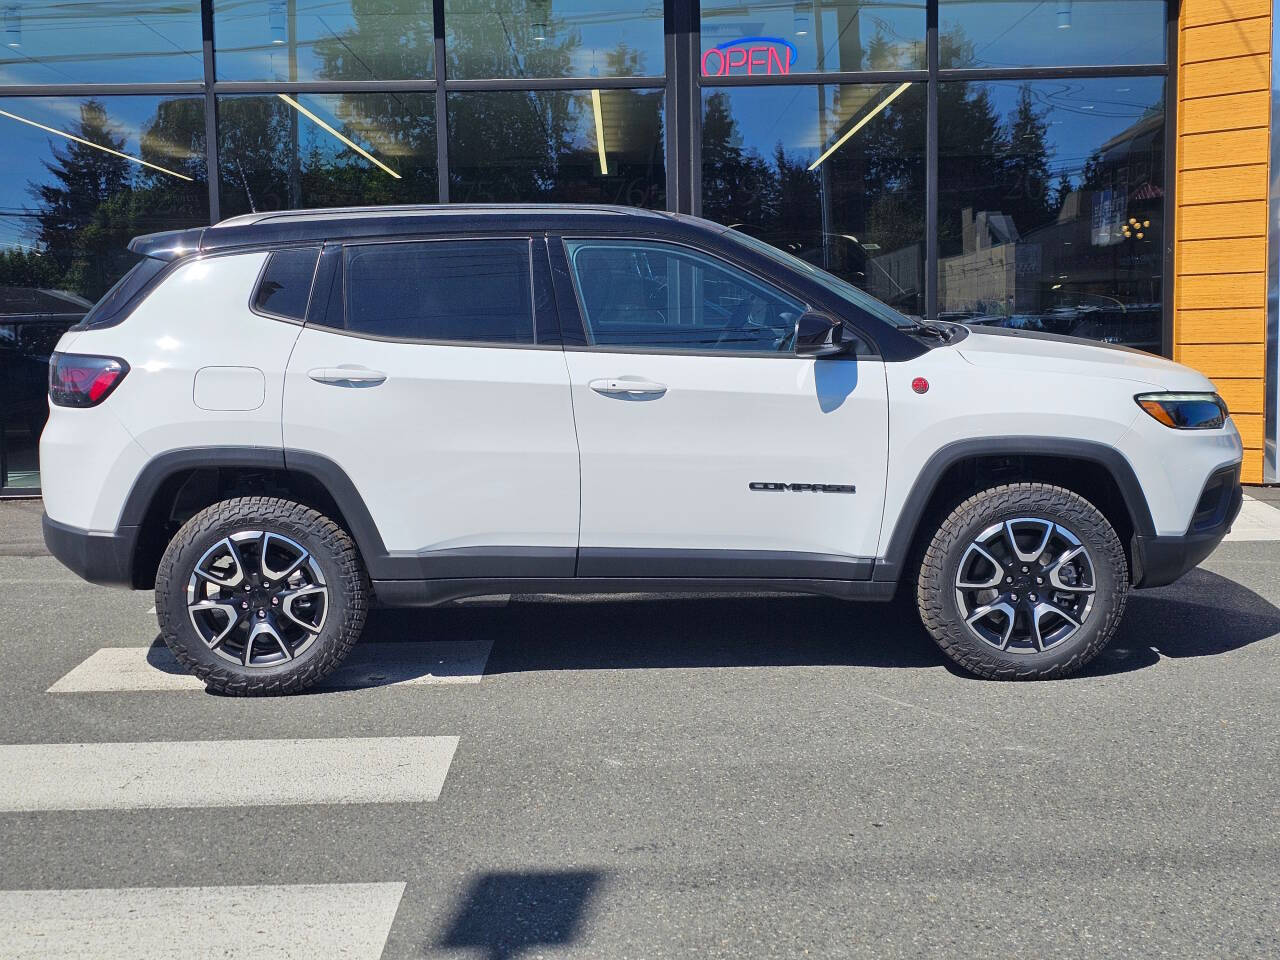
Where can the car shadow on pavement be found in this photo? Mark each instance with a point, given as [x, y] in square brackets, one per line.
[1203, 615]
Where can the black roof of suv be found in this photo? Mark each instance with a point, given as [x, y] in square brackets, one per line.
[302, 226]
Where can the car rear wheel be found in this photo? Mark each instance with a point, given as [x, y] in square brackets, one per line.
[259, 596]
[1023, 581]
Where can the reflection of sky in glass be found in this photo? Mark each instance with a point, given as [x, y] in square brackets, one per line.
[1081, 114]
[588, 29]
[56, 41]
[1043, 33]
[252, 40]
[847, 29]
[24, 149]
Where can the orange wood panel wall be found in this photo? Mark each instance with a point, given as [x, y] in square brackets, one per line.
[1220, 276]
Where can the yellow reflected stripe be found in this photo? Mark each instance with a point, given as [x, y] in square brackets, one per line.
[330, 130]
[96, 146]
[595, 105]
[859, 125]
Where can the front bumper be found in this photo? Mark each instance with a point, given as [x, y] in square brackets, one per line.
[1158, 561]
[103, 558]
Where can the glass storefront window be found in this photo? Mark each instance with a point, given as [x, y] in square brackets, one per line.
[284, 151]
[1050, 206]
[560, 146]
[82, 176]
[324, 39]
[1050, 33]
[553, 38]
[66, 41]
[833, 174]
[811, 36]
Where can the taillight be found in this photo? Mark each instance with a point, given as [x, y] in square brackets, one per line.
[76, 380]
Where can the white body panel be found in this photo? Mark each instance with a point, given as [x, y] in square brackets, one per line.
[673, 471]
[198, 317]
[459, 446]
[1005, 386]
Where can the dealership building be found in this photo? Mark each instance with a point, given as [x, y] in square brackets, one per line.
[1097, 168]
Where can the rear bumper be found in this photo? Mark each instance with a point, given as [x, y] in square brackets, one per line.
[104, 558]
[1158, 561]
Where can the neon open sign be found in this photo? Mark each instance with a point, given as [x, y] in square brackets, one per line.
[748, 56]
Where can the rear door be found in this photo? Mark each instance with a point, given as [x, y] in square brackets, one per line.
[428, 379]
[709, 449]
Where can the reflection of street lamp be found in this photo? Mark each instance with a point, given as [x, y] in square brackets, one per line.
[1064, 14]
[801, 17]
[539, 14]
[13, 25]
[275, 19]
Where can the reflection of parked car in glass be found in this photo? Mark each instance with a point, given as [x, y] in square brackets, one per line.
[294, 414]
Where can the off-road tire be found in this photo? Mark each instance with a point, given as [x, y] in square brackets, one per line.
[328, 544]
[936, 592]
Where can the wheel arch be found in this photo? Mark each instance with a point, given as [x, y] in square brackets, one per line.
[1098, 472]
[178, 483]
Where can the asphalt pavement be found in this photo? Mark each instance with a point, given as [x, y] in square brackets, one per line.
[705, 777]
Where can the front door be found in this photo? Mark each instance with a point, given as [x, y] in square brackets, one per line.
[427, 386]
[708, 448]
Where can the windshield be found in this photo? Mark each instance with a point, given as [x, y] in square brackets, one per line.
[841, 288]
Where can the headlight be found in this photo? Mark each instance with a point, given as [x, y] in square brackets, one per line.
[1185, 411]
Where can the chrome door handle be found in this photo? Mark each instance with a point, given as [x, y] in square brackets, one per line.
[624, 387]
[347, 376]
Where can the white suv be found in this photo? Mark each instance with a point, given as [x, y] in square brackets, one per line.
[281, 419]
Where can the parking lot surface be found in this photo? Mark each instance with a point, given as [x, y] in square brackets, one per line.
[704, 777]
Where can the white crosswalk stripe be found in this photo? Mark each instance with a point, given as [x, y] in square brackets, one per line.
[220, 773]
[1257, 521]
[303, 922]
[129, 669]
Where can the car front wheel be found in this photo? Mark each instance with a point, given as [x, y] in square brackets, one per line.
[1023, 581]
[259, 596]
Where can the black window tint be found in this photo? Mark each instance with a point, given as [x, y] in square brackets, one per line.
[285, 286]
[640, 294]
[441, 290]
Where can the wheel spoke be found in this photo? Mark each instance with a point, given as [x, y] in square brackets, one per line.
[1033, 555]
[987, 610]
[270, 574]
[227, 545]
[995, 579]
[1055, 572]
[213, 606]
[289, 596]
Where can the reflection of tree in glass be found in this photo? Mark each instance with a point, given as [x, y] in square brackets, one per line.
[93, 202]
[391, 40]
[540, 145]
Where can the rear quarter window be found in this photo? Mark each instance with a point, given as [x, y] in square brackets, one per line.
[284, 289]
[116, 303]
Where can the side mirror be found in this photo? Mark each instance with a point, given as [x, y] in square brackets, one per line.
[818, 335]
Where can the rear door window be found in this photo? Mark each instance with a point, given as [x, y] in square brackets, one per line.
[465, 291]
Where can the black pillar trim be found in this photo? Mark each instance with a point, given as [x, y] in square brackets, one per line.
[931, 163]
[442, 105]
[1170, 265]
[210, 112]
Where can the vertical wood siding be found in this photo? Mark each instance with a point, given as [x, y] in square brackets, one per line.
[1220, 281]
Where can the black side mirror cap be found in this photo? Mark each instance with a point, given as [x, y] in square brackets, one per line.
[820, 335]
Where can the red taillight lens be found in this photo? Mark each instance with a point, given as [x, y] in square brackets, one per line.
[79, 381]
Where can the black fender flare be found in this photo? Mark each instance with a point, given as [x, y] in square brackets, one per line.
[893, 558]
[318, 468]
